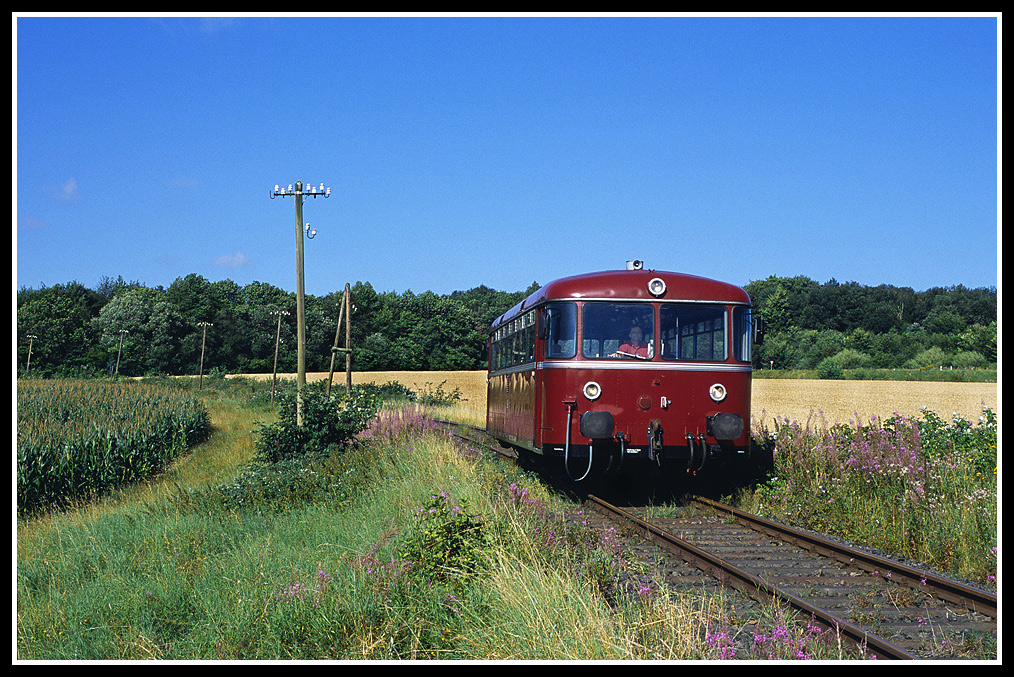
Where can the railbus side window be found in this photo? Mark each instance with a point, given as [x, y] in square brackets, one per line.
[497, 348]
[530, 336]
[561, 332]
[515, 340]
[502, 353]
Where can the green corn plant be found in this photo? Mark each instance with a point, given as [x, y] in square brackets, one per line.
[78, 439]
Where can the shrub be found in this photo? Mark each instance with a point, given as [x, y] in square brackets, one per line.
[437, 396]
[830, 368]
[969, 360]
[931, 357]
[329, 422]
[925, 489]
[447, 541]
[852, 359]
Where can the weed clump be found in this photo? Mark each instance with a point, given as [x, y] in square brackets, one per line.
[447, 541]
[329, 423]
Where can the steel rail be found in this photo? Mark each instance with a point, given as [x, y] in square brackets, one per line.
[975, 599]
[757, 587]
[978, 600]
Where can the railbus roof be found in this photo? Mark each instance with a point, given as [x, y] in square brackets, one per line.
[631, 285]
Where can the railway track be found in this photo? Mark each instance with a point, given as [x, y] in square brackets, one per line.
[890, 609]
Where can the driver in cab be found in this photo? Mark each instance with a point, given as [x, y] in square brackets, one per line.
[635, 346]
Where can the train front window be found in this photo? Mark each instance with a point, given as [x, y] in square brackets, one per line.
[693, 331]
[560, 330]
[618, 330]
[742, 333]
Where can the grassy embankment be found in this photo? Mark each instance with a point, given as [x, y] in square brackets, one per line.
[212, 561]
[408, 546]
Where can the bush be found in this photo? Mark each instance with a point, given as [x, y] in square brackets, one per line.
[969, 360]
[392, 391]
[271, 487]
[437, 396]
[830, 368]
[924, 489]
[329, 422]
[852, 359]
[447, 542]
[931, 357]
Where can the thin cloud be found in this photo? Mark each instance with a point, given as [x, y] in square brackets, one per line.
[67, 192]
[31, 223]
[190, 184]
[236, 260]
[211, 25]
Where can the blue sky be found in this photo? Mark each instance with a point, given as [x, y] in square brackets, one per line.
[498, 151]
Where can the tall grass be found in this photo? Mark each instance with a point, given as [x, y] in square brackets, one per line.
[405, 545]
[922, 488]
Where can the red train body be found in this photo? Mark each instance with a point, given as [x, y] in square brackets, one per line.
[625, 364]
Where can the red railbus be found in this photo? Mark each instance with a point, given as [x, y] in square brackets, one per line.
[625, 364]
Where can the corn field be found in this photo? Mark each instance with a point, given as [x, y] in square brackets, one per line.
[78, 439]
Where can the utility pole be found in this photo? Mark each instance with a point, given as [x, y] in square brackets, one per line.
[348, 339]
[299, 194]
[31, 341]
[335, 348]
[120, 350]
[278, 336]
[200, 379]
[345, 307]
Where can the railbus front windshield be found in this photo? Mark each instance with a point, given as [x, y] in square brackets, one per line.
[693, 331]
[627, 331]
[618, 330]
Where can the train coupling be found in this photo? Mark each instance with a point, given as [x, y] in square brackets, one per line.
[655, 440]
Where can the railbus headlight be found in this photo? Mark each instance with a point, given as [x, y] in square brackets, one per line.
[592, 390]
[656, 286]
[717, 392]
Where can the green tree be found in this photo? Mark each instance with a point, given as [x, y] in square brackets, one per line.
[934, 356]
[60, 317]
[944, 321]
[776, 311]
[980, 339]
[164, 330]
[827, 343]
[969, 360]
[124, 331]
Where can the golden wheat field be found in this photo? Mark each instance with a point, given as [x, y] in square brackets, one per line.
[796, 399]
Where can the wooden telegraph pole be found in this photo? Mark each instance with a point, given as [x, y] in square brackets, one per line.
[348, 339]
[278, 338]
[119, 351]
[299, 194]
[31, 342]
[346, 308]
[204, 336]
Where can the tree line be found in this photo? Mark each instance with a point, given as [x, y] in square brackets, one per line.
[74, 330]
[835, 326]
[80, 331]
